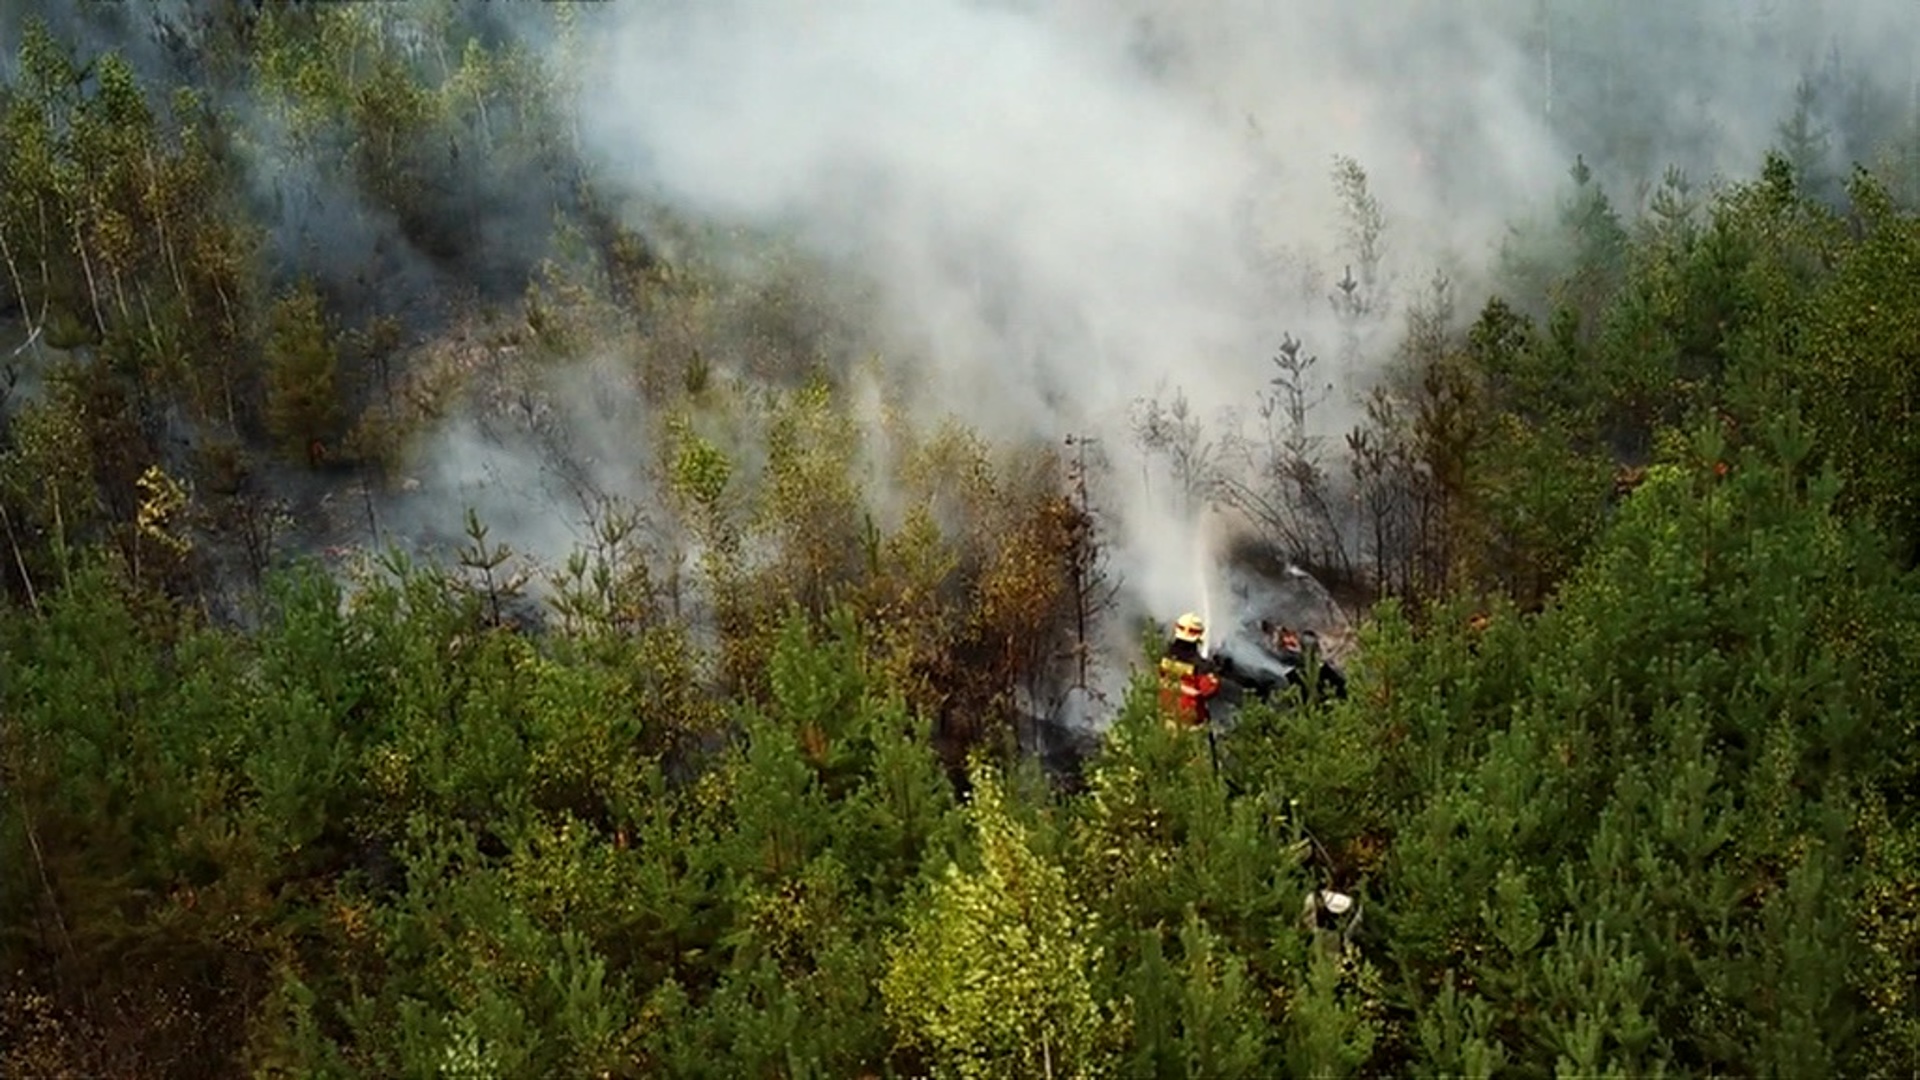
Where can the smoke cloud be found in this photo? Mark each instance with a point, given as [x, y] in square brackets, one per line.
[1064, 206]
[1054, 230]
[1069, 206]
[1072, 205]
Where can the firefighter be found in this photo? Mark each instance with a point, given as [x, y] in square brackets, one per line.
[1300, 651]
[1283, 640]
[1329, 679]
[1331, 918]
[1188, 680]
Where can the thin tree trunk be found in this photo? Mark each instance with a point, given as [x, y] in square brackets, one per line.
[160, 207]
[34, 326]
[26, 579]
[46, 245]
[159, 347]
[93, 286]
[53, 899]
[60, 542]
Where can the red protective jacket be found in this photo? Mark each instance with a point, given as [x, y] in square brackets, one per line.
[1185, 687]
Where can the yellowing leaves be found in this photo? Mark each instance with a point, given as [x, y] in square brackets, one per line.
[992, 978]
[701, 470]
[162, 498]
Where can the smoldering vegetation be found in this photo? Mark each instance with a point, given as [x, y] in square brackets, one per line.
[1112, 220]
[1197, 235]
[1108, 221]
[1070, 207]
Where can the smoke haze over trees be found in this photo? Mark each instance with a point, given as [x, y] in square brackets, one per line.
[617, 539]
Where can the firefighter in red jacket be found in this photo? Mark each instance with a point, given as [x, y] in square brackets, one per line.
[1187, 679]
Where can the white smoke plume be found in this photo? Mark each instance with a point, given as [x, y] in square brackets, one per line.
[1056, 231]
[1072, 205]
[1069, 205]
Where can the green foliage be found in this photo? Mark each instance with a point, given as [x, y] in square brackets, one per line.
[46, 475]
[993, 975]
[1541, 502]
[1859, 377]
[1574, 261]
[1197, 1016]
[811, 499]
[302, 362]
[114, 225]
[1697, 872]
[1888, 977]
[700, 470]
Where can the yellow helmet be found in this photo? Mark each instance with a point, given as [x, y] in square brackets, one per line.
[1189, 627]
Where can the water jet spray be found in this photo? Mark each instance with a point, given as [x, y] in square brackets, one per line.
[1202, 557]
